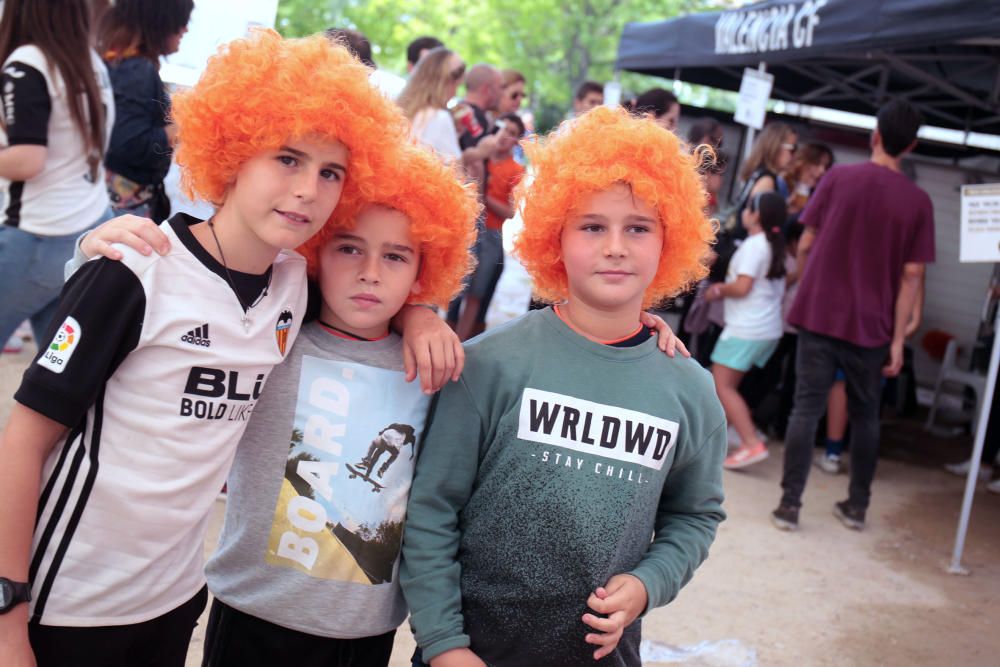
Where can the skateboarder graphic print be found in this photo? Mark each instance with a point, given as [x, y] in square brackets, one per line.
[391, 439]
[322, 525]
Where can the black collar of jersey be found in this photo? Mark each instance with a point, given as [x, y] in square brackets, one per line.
[248, 285]
[640, 337]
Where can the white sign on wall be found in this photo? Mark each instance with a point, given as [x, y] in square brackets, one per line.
[755, 91]
[612, 94]
[213, 23]
[980, 241]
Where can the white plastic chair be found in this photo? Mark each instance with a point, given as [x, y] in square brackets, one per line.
[952, 374]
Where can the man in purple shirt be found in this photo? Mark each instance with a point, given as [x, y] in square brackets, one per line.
[869, 231]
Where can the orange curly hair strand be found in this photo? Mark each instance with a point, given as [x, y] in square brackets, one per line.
[259, 92]
[442, 214]
[591, 153]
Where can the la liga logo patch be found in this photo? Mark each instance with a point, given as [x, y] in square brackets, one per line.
[282, 329]
[59, 351]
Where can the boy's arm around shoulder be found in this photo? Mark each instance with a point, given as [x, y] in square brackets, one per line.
[690, 507]
[430, 574]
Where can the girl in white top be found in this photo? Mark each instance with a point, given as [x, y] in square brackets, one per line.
[55, 121]
[424, 100]
[753, 293]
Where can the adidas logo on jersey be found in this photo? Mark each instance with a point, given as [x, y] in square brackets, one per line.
[197, 336]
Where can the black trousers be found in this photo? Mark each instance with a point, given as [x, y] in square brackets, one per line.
[159, 642]
[817, 360]
[236, 639]
[769, 391]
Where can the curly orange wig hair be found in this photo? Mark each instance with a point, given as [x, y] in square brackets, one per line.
[442, 214]
[591, 153]
[257, 93]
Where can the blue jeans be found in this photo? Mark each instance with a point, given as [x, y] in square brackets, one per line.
[488, 250]
[31, 277]
[816, 363]
[142, 210]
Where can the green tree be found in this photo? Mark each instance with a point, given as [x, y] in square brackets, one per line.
[555, 43]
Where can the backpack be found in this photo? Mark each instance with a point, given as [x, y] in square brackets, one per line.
[732, 233]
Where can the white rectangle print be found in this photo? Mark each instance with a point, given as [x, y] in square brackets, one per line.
[594, 428]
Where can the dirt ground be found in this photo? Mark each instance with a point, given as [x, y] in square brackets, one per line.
[823, 596]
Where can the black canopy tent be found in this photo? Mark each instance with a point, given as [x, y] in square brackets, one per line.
[849, 55]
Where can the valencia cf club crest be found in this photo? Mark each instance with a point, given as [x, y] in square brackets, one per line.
[282, 329]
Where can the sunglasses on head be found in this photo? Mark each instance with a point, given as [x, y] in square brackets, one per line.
[457, 73]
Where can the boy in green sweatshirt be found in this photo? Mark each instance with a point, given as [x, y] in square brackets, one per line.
[572, 479]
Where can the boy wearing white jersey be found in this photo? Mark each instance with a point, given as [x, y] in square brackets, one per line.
[126, 423]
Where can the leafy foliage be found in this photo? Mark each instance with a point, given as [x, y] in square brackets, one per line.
[557, 44]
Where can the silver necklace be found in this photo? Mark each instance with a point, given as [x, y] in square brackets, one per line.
[232, 284]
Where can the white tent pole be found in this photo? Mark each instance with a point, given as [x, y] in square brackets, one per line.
[977, 452]
[748, 146]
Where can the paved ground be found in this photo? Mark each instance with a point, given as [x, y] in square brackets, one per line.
[824, 596]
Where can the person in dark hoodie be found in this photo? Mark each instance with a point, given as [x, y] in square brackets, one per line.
[133, 36]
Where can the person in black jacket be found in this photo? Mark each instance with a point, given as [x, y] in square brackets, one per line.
[133, 36]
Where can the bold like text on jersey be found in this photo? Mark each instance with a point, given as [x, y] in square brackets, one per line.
[232, 397]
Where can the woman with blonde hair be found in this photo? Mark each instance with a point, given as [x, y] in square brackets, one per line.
[424, 101]
[771, 155]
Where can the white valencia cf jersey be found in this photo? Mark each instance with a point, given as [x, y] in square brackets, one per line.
[155, 373]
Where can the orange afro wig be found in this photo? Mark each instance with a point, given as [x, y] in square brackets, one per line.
[261, 91]
[590, 154]
[442, 214]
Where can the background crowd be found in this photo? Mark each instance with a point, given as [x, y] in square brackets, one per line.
[788, 336]
[737, 322]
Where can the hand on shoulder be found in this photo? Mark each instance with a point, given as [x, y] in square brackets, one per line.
[667, 341]
[430, 348]
[141, 234]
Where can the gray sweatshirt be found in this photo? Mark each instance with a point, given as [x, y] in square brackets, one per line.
[318, 490]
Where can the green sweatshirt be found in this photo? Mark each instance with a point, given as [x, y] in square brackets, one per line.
[546, 470]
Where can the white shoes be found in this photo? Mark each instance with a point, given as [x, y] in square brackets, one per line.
[962, 469]
[16, 342]
[828, 463]
[14, 345]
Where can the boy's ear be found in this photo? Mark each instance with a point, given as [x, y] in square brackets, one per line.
[415, 288]
[229, 189]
